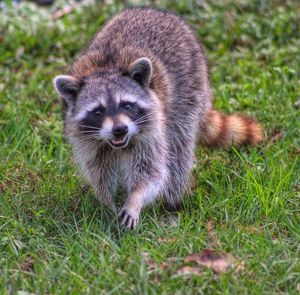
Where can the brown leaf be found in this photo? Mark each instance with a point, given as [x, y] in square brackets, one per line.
[297, 104]
[20, 51]
[149, 261]
[164, 265]
[297, 151]
[28, 264]
[189, 271]
[276, 135]
[230, 18]
[22, 292]
[170, 220]
[74, 205]
[249, 229]
[218, 261]
[154, 266]
[167, 240]
[212, 235]
[62, 12]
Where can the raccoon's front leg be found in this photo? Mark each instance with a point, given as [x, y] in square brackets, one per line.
[145, 180]
[129, 214]
[141, 195]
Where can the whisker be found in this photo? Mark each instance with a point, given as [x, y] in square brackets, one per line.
[89, 135]
[90, 131]
[91, 140]
[141, 122]
[91, 127]
[143, 117]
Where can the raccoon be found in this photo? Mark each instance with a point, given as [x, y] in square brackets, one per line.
[136, 104]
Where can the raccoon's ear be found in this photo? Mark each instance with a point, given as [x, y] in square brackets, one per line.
[141, 71]
[67, 87]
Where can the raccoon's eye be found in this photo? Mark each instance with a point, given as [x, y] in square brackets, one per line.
[128, 106]
[98, 111]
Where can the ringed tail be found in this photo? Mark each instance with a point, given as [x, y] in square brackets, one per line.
[230, 130]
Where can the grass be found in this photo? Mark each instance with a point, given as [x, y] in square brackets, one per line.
[56, 239]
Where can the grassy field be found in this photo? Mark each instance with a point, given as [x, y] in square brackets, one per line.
[56, 239]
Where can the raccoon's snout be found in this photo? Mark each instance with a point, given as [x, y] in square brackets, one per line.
[120, 130]
[120, 135]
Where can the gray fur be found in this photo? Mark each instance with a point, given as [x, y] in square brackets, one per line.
[174, 89]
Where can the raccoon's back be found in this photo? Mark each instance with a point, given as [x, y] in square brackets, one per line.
[161, 33]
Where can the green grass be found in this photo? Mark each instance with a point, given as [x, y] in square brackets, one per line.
[56, 239]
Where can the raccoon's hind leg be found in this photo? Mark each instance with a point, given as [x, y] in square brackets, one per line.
[182, 137]
[179, 179]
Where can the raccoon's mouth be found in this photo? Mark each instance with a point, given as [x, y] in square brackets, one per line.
[119, 142]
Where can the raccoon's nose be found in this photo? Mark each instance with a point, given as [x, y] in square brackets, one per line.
[120, 129]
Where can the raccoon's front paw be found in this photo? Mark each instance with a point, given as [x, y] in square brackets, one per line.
[129, 218]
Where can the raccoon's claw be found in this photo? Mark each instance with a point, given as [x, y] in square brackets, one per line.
[128, 220]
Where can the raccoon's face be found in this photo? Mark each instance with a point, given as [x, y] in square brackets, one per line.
[110, 107]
